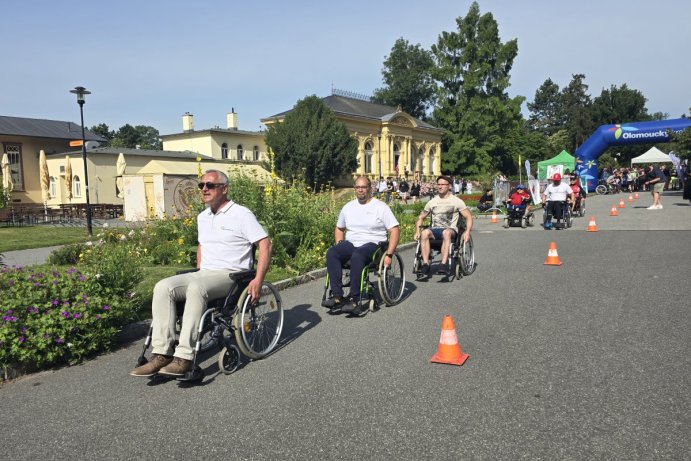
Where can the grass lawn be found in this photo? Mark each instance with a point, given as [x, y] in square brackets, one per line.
[23, 238]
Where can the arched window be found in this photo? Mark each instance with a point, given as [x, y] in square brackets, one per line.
[255, 152]
[240, 154]
[396, 156]
[421, 160]
[76, 186]
[431, 161]
[224, 151]
[368, 157]
[53, 188]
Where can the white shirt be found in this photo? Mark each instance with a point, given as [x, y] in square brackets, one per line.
[226, 237]
[366, 223]
[557, 193]
[382, 186]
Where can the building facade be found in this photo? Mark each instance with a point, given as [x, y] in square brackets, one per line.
[390, 141]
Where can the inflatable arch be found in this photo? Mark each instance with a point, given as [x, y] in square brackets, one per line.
[626, 133]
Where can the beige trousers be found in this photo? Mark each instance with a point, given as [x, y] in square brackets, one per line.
[195, 288]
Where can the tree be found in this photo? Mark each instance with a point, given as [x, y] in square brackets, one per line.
[619, 105]
[312, 143]
[577, 111]
[104, 131]
[472, 68]
[141, 136]
[408, 79]
[547, 109]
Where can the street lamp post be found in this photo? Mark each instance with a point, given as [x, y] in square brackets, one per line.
[80, 91]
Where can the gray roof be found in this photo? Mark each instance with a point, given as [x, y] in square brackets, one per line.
[137, 153]
[40, 128]
[212, 130]
[360, 108]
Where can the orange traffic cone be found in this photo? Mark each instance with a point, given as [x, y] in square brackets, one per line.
[621, 203]
[552, 256]
[449, 350]
[614, 211]
[636, 195]
[630, 198]
[494, 216]
[592, 227]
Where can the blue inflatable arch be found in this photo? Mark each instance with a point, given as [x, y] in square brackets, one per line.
[624, 134]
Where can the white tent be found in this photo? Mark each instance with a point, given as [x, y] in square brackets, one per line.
[654, 155]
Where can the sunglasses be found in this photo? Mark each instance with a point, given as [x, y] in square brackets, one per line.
[210, 185]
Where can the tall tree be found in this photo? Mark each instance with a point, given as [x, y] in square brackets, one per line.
[407, 74]
[619, 105]
[577, 111]
[104, 131]
[547, 109]
[312, 143]
[472, 69]
[141, 136]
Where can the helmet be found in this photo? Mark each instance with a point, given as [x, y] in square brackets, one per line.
[556, 177]
[520, 186]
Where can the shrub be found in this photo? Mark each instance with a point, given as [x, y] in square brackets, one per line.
[67, 255]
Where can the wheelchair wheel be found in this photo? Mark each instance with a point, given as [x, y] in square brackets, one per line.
[258, 326]
[467, 259]
[601, 189]
[530, 220]
[506, 223]
[210, 333]
[229, 359]
[392, 280]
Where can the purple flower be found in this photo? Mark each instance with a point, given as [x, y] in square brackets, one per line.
[9, 311]
[22, 330]
[65, 314]
[106, 307]
[66, 303]
[71, 270]
[11, 282]
[56, 275]
[76, 315]
[82, 278]
[21, 339]
[55, 302]
[55, 282]
[36, 284]
[98, 317]
[59, 340]
[46, 336]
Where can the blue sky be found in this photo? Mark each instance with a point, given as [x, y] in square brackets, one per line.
[149, 61]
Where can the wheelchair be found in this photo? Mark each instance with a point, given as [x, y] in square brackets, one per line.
[579, 207]
[461, 254]
[515, 216]
[255, 327]
[390, 282]
[566, 218]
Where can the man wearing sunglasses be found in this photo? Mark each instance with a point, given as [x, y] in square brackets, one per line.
[362, 224]
[226, 233]
[446, 209]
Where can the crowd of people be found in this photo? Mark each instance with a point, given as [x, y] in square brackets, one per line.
[634, 179]
[401, 188]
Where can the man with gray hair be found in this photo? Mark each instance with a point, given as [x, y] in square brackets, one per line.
[226, 233]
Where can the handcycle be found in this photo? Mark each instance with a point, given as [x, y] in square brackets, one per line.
[255, 325]
[390, 282]
[461, 253]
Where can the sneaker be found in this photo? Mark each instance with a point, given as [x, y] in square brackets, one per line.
[155, 363]
[443, 270]
[332, 302]
[424, 270]
[350, 306]
[652, 207]
[659, 207]
[177, 368]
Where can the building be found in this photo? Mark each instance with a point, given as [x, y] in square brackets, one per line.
[390, 141]
[228, 143]
[22, 139]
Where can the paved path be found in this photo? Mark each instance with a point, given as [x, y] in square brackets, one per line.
[588, 360]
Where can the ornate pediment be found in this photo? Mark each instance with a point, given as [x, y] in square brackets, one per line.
[401, 121]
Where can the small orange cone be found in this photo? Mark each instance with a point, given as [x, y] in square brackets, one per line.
[552, 256]
[630, 198]
[636, 195]
[449, 350]
[592, 227]
[621, 203]
[614, 211]
[494, 217]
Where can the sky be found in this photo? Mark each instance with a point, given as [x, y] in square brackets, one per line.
[148, 62]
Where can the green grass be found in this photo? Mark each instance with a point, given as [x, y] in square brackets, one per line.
[23, 238]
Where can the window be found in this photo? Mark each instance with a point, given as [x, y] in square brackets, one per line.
[431, 161]
[256, 153]
[368, 157]
[421, 160]
[53, 187]
[76, 187]
[240, 154]
[14, 154]
[224, 151]
[396, 156]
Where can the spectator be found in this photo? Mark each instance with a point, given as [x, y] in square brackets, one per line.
[486, 201]
[415, 191]
[403, 189]
[655, 179]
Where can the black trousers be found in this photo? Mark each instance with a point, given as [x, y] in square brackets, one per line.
[359, 257]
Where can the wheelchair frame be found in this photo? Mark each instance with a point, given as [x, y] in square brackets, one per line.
[567, 217]
[390, 289]
[247, 322]
[513, 217]
[461, 255]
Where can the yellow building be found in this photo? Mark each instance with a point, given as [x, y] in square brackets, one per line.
[390, 141]
[228, 143]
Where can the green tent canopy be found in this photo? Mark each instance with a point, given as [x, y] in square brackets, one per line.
[566, 160]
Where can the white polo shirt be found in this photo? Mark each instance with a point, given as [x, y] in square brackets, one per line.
[366, 223]
[557, 193]
[226, 237]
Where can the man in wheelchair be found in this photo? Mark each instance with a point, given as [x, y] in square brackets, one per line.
[362, 224]
[446, 210]
[226, 234]
[555, 198]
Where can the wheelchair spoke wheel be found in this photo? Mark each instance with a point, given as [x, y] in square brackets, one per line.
[601, 189]
[392, 280]
[258, 325]
[467, 261]
[229, 359]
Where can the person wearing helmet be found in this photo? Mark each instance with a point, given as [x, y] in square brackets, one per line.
[555, 196]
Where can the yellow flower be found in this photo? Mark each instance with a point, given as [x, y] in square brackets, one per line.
[181, 241]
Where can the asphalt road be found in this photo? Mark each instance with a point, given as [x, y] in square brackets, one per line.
[588, 360]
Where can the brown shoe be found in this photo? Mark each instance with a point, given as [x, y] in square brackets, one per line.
[178, 368]
[152, 367]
